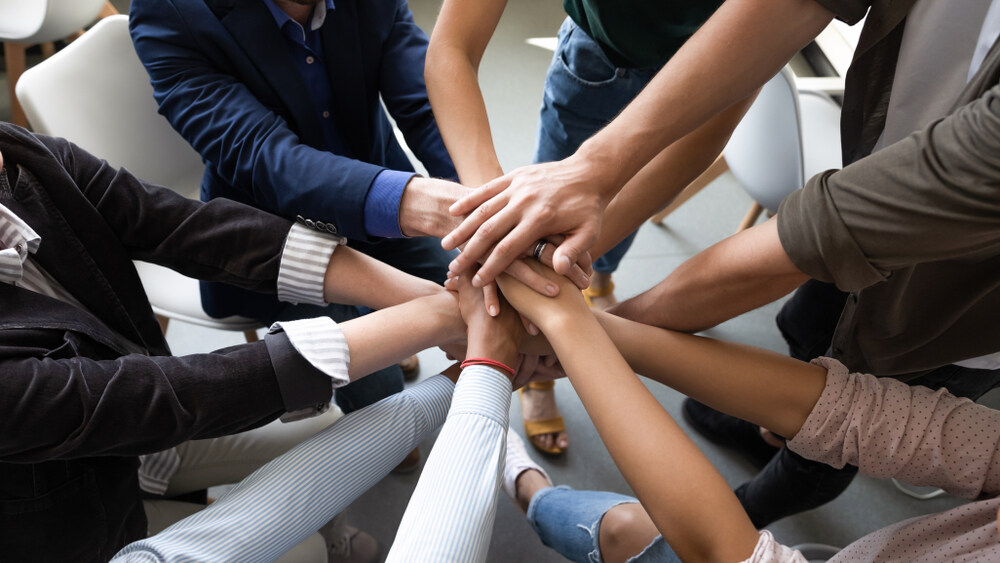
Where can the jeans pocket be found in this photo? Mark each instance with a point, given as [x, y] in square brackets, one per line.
[582, 59]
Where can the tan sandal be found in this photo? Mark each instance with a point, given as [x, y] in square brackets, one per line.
[590, 293]
[534, 428]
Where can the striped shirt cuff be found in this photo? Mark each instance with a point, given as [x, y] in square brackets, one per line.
[321, 343]
[303, 265]
[483, 391]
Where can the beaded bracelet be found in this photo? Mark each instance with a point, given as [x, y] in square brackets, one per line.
[487, 362]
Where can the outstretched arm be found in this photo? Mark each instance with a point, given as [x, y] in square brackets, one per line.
[734, 53]
[690, 503]
[736, 275]
[461, 33]
[283, 502]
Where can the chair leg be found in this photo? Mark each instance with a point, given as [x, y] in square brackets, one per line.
[251, 335]
[14, 57]
[107, 10]
[48, 49]
[716, 169]
[751, 217]
[163, 321]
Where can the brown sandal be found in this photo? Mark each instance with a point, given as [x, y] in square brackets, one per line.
[534, 428]
[590, 293]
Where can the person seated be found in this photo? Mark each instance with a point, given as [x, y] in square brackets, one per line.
[89, 383]
[688, 512]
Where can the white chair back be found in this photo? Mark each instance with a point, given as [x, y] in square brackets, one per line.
[41, 21]
[96, 93]
[765, 151]
[787, 136]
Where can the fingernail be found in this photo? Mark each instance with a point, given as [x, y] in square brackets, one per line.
[446, 242]
[551, 289]
[567, 261]
[533, 330]
[477, 281]
[493, 310]
[453, 266]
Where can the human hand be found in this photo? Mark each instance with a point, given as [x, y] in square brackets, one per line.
[537, 368]
[497, 338]
[520, 270]
[423, 207]
[542, 310]
[510, 214]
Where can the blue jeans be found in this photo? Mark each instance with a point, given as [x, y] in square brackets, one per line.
[569, 521]
[422, 257]
[583, 92]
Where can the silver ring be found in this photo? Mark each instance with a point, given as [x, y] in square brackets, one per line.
[539, 248]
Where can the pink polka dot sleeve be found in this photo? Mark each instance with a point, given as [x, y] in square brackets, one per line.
[890, 429]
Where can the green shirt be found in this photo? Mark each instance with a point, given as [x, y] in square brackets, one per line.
[638, 33]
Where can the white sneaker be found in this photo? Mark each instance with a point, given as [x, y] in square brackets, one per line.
[518, 461]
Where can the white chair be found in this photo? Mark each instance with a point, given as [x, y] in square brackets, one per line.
[30, 22]
[786, 137]
[96, 93]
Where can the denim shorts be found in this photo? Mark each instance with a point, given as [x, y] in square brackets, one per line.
[569, 521]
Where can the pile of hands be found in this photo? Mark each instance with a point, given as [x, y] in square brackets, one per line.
[514, 333]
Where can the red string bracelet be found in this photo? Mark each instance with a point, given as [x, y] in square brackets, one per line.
[487, 362]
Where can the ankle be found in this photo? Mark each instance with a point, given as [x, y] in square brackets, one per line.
[600, 280]
[528, 483]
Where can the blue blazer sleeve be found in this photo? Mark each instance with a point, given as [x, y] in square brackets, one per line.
[189, 56]
[404, 91]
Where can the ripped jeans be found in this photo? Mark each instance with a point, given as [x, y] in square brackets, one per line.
[569, 521]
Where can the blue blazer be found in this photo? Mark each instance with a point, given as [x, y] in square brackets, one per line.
[224, 78]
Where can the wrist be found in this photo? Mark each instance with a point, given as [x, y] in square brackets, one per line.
[423, 207]
[601, 166]
[491, 344]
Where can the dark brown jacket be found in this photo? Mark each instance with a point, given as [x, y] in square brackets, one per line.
[75, 408]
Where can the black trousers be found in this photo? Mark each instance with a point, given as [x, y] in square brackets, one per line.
[790, 483]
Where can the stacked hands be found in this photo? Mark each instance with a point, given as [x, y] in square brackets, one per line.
[515, 217]
[502, 335]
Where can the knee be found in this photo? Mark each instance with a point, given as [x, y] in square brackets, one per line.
[625, 531]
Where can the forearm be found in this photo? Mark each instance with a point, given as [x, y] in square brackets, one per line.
[387, 336]
[660, 181]
[450, 514]
[743, 45]
[461, 114]
[770, 389]
[739, 274]
[688, 500]
[305, 487]
[423, 209]
[353, 278]
[461, 34]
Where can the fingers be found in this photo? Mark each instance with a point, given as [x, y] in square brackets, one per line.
[491, 299]
[523, 273]
[505, 252]
[576, 273]
[465, 205]
[478, 232]
[567, 254]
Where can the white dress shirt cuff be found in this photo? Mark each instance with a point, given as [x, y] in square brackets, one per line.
[485, 392]
[303, 265]
[321, 343]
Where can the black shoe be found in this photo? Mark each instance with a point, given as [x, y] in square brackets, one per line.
[728, 431]
[790, 484]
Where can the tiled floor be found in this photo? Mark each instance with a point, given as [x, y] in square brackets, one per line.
[511, 74]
